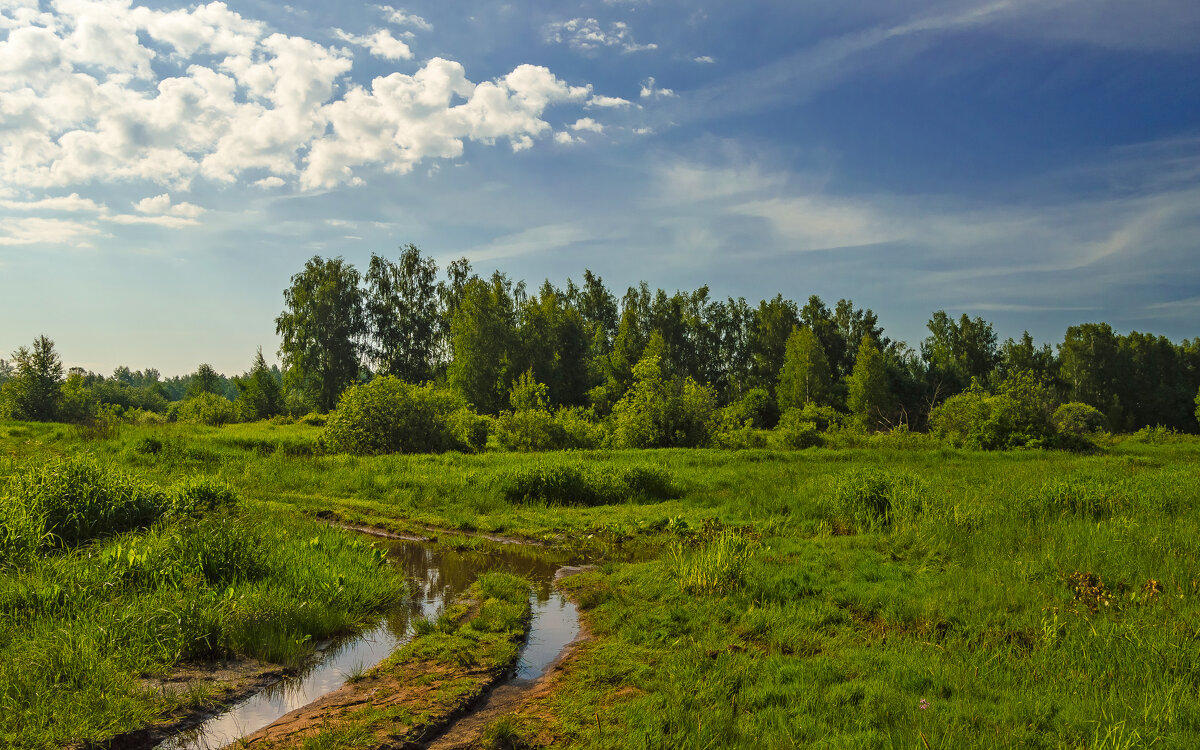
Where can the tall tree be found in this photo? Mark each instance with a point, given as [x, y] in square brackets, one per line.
[804, 378]
[205, 380]
[35, 388]
[1089, 365]
[773, 323]
[322, 329]
[870, 397]
[482, 336]
[402, 315]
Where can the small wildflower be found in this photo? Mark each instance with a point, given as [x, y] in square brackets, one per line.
[923, 705]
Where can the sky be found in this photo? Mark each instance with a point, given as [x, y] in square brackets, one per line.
[165, 168]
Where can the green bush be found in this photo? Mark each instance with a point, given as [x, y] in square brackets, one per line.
[1078, 419]
[388, 415]
[580, 485]
[801, 428]
[206, 408]
[874, 499]
[529, 430]
[662, 412]
[1018, 416]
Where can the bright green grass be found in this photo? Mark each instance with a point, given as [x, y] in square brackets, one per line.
[945, 582]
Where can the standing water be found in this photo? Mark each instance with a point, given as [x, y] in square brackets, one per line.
[436, 577]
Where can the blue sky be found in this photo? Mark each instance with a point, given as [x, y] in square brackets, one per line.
[166, 167]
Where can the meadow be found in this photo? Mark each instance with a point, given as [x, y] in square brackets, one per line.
[894, 594]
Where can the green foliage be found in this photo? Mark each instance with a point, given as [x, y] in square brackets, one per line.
[658, 411]
[1078, 419]
[260, 394]
[714, 568]
[78, 404]
[801, 428]
[1198, 405]
[565, 484]
[388, 415]
[875, 499]
[34, 391]
[321, 327]
[196, 496]
[481, 336]
[65, 502]
[207, 409]
[870, 397]
[402, 316]
[805, 376]
[1019, 416]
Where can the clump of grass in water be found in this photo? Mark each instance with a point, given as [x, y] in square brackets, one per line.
[716, 566]
[873, 500]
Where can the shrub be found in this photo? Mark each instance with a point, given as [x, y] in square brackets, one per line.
[660, 412]
[388, 415]
[801, 428]
[579, 485]
[312, 419]
[1018, 416]
[529, 430]
[873, 499]
[1078, 419]
[469, 429]
[206, 408]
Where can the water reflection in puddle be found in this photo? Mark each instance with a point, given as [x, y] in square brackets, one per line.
[436, 575]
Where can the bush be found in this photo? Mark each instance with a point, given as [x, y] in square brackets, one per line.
[873, 499]
[388, 415]
[1019, 416]
[529, 430]
[206, 408]
[801, 428]
[661, 412]
[578, 485]
[1078, 419]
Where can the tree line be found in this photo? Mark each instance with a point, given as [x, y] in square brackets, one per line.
[478, 335]
[648, 363]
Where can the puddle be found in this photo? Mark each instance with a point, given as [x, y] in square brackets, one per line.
[436, 576]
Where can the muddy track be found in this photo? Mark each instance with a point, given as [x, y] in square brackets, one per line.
[230, 681]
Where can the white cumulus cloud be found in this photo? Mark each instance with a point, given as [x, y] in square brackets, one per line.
[651, 90]
[588, 124]
[381, 44]
[94, 92]
[588, 34]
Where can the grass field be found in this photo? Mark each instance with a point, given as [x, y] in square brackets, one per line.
[894, 595]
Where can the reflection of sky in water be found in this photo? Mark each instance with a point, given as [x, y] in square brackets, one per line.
[436, 575]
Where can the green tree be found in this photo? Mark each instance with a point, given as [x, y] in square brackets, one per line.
[322, 328]
[482, 336]
[660, 411]
[870, 398]
[205, 380]
[261, 394]
[804, 378]
[1090, 368]
[34, 391]
[773, 323]
[402, 315]
[1198, 405]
